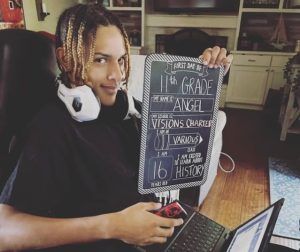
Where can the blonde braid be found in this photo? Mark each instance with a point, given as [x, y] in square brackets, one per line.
[90, 57]
[74, 58]
[68, 43]
[127, 64]
[79, 49]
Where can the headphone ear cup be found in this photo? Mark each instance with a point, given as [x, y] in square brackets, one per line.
[80, 101]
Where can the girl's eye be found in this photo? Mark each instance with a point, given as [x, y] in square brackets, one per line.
[121, 61]
[100, 60]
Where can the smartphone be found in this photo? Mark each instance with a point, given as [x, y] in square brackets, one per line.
[172, 210]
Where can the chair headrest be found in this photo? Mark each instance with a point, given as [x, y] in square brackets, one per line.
[27, 72]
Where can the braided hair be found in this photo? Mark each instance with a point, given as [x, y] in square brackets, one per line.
[76, 34]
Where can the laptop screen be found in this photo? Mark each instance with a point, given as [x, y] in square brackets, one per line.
[249, 236]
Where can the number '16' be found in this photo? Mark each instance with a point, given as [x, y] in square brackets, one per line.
[159, 172]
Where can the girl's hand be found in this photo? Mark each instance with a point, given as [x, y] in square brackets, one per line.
[136, 225]
[216, 56]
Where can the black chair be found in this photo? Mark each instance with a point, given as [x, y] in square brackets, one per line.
[27, 72]
[189, 42]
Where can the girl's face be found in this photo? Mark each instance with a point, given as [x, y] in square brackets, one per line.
[108, 68]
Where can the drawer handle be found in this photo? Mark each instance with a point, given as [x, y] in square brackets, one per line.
[251, 60]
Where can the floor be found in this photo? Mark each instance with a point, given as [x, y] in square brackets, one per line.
[249, 137]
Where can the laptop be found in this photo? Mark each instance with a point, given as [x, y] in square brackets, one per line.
[201, 234]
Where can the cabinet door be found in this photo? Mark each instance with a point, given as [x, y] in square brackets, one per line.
[275, 79]
[247, 84]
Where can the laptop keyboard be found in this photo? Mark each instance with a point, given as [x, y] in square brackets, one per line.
[200, 234]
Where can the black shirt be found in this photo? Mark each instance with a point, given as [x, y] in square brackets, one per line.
[74, 169]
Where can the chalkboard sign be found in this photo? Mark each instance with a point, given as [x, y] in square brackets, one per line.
[180, 104]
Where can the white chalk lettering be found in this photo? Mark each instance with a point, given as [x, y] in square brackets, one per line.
[165, 81]
[189, 171]
[179, 65]
[188, 104]
[190, 123]
[185, 161]
[186, 139]
[167, 123]
[196, 86]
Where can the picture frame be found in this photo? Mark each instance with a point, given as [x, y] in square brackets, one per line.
[11, 14]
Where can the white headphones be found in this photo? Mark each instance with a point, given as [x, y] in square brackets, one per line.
[83, 105]
[80, 102]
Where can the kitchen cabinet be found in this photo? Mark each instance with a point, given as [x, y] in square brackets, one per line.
[268, 26]
[251, 77]
[267, 33]
[275, 76]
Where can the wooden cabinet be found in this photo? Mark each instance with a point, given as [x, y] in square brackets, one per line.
[267, 33]
[275, 78]
[268, 26]
[247, 85]
[251, 77]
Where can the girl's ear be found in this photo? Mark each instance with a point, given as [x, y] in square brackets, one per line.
[60, 54]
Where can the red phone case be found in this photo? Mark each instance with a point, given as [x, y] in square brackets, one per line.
[172, 210]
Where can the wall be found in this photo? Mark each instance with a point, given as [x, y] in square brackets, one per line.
[54, 7]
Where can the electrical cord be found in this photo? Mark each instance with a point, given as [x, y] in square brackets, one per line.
[232, 161]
